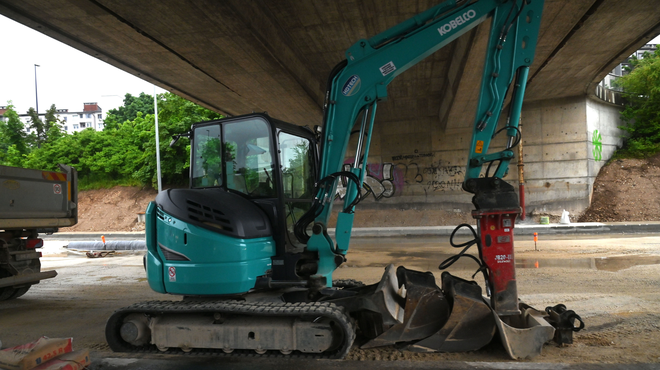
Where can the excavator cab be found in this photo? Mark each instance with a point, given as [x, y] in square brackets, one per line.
[251, 178]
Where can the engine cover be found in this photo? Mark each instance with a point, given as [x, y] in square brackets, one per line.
[218, 210]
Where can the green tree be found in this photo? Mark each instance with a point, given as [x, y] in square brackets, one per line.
[46, 129]
[39, 135]
[175, 115]
[124, 152]
[52, 124]
[641, 117]
[66, 149]
[12, 134]
[144, 103]
[14, 157]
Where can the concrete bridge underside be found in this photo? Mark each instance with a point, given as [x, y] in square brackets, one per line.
[239, 56]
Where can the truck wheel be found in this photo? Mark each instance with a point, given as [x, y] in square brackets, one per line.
[6, 293]
[20, 291]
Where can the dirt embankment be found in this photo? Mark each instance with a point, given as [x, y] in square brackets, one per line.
[113, 209]
[626, 190]
[116, 209]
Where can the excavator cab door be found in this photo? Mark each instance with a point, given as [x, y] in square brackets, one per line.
[297, 164]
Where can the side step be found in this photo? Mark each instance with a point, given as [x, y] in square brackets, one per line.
[27, 278]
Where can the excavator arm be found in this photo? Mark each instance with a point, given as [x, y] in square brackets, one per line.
[357, 85]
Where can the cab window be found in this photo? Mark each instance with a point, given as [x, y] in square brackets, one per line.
[297, 172]
[248, 160]
[296, 159]
[207, 157]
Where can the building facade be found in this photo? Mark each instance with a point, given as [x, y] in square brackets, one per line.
[620, 69]
[91, 116]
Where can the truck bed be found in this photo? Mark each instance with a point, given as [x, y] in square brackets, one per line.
[37, 199]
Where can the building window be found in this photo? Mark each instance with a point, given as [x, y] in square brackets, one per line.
[81, 115]
[66, 128]
[75, 126]
[82, 124]
[89, 115]
[66, 119]
[99, 116]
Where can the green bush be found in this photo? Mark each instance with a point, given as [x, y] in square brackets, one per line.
[641, 117]
[122, 154]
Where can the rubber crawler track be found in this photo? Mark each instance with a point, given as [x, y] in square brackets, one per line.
[343, 323]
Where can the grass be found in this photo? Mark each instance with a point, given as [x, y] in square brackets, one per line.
[630, 153]
[95, 182]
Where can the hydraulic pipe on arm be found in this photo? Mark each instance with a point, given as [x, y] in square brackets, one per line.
[372, 64]
[521, 177]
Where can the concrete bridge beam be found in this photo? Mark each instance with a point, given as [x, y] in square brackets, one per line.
[236, 57]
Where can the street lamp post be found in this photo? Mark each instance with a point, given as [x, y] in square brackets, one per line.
[36, 94]
[160, 186]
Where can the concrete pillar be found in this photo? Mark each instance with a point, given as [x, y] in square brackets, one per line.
[415, 166]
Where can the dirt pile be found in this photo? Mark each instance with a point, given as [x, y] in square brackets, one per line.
[626, 190]
[114, 209]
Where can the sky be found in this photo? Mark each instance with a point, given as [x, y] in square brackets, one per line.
[66, 77]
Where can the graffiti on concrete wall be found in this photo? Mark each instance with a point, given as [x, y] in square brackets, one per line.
[411, 156]
[381, 181]
[436, 176]
[444, 177]
[597, 141]
[412, 173]
[386, 180]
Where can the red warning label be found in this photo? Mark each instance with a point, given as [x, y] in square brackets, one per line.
[172, 273]
[57, 188]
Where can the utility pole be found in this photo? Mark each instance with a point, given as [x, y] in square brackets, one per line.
[160, 187]
[36, 94]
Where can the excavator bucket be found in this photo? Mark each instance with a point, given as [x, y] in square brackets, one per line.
[523, 335]
[425, 310]
[407, 308]
[377, 307]
[471, 324]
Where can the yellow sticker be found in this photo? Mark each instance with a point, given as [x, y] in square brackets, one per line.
[492, 227]
[11, 184]
[480, 147]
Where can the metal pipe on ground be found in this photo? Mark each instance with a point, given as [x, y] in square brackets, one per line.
[116, 245]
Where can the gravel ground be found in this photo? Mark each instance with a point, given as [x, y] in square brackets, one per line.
[613, 283]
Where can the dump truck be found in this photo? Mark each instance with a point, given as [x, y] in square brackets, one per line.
[32, 202]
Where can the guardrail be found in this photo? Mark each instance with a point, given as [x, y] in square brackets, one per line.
[610, 96]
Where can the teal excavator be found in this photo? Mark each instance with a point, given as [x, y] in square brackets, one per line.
[247, 244]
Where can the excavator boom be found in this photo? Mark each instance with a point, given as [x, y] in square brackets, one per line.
[359, 83]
